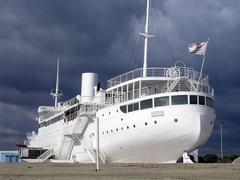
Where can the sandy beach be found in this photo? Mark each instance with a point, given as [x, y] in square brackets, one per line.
[49, 171]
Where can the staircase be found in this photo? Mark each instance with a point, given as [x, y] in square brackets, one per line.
[93, 155]
[72, 138]
[45, 156]
[191, 85]
[170, 85]
[66, 148]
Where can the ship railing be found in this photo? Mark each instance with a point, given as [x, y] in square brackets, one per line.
[158, 72]
[180, 86]
[89, 108]
[71, 102]
[48, 115]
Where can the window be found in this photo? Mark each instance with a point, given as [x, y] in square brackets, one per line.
[136, 106]
[133, 107]
[193, 99]
[161, 101]
[182, 99]
[123, 108]
[201, 100]
[209, 102]
[145, 104]
[130, 107]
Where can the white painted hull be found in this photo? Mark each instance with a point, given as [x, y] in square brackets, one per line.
[161, 142]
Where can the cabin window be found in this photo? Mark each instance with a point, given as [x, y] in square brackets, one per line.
[130, 107]
[123, 108]
[201, 100]
[193, 99]
[136, 106]
[133, 107]
[209, 102]
[161, 101]
[145, 104]
[177, 100]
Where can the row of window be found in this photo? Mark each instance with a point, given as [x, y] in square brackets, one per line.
[70, 115]
[165, 101]
[54, 120]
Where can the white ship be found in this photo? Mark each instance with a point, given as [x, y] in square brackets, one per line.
[147, 115]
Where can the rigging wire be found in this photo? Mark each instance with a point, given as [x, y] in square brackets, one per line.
[135, 53]
[132, 51]
[172, 56]
[117, 57]
[136, 63]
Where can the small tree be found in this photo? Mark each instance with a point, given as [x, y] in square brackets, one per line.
[210, 158]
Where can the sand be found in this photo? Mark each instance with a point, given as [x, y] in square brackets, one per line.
[47, 171]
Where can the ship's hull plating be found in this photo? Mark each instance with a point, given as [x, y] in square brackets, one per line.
[156, 135]
[162, 139]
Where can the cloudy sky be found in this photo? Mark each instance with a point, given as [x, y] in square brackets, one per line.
[102, 36]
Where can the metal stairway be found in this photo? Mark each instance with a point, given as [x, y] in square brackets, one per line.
[170, 85]
[92, 154]
[72, 138]
[45, 156]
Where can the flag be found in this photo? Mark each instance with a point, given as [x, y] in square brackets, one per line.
[198, 48]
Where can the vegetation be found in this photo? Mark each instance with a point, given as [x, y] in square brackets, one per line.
[213, 158]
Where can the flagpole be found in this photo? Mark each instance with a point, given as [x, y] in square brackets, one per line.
[203, 61]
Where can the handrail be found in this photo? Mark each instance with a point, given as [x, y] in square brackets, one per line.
[176, 85]
[158, 72]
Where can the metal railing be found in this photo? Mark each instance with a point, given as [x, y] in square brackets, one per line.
[159, 72]
[181, 85]
[89, 108]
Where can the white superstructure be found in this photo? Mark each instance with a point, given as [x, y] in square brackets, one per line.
[148, 115]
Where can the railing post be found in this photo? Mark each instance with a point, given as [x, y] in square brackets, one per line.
[97, 143]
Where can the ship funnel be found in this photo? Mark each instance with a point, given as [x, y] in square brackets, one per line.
[89, 81]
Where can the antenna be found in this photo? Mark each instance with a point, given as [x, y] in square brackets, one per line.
[56, 93]
[146, 35]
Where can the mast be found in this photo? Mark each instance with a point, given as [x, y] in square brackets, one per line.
[56, 94]
[146, 36]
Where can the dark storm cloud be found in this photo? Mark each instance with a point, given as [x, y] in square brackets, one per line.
[87, 35]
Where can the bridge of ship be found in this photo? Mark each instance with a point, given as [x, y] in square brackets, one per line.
[133, 85]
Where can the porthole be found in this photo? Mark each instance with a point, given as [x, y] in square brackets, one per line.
[122, 128]
[102, 133]
[146, 123]
[121, 119]
[117, 129]
[127, 127]
[155, 122]
[175, 120]
[134, 125]
[109, 113]
[111, 130]
[117, 110]
[102, 114]
[211, 123]
[107, 132]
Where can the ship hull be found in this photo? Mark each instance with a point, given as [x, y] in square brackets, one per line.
[154, 135]
[150, 139]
